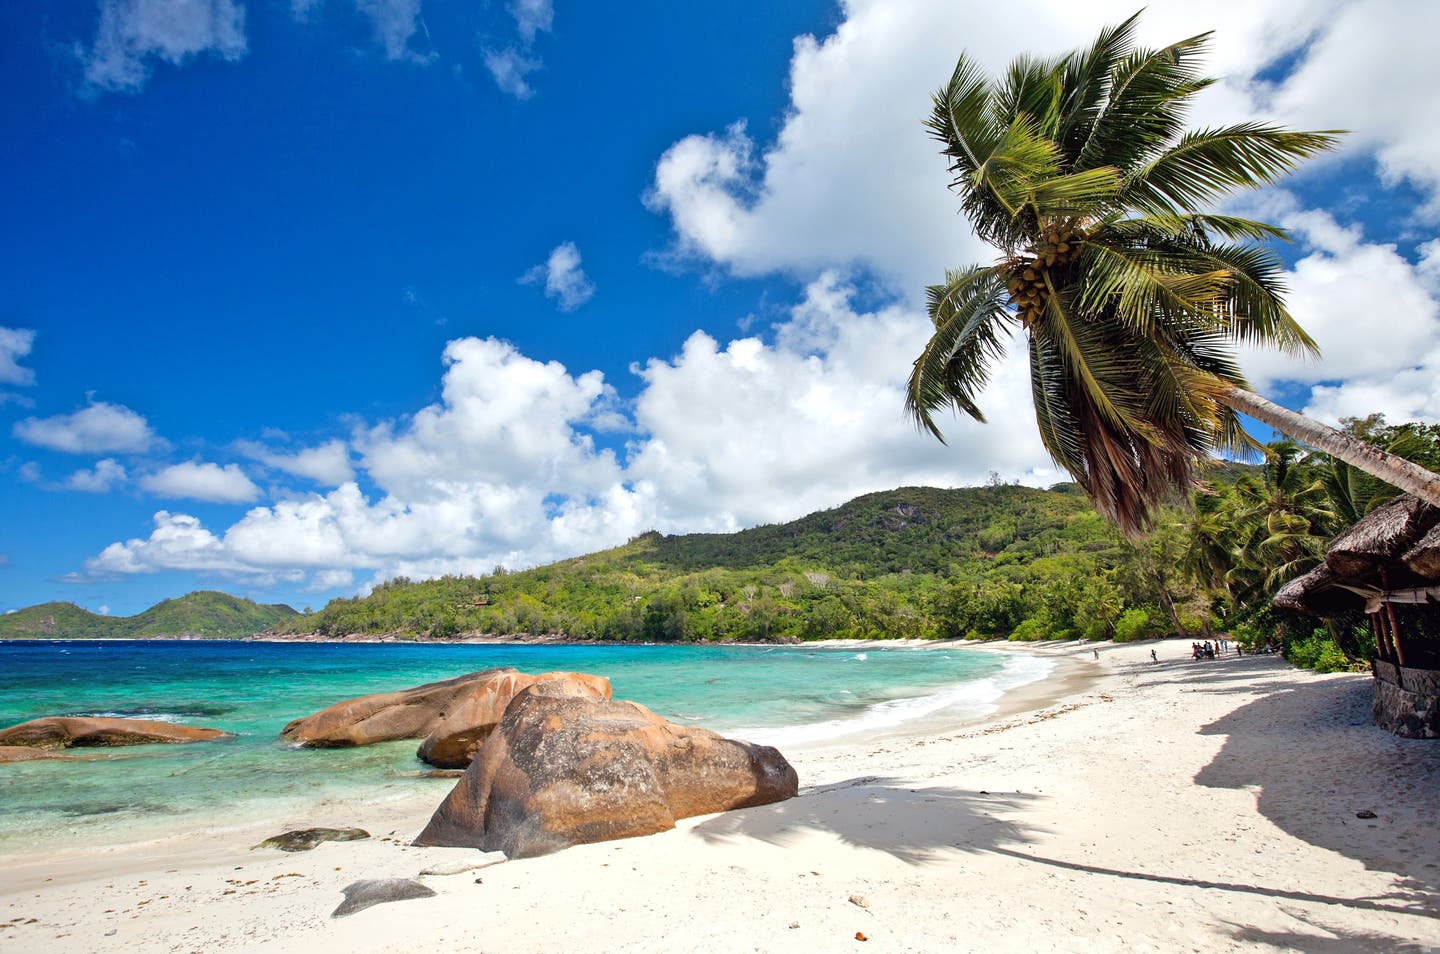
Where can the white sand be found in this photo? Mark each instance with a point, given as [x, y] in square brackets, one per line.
[1170, 807]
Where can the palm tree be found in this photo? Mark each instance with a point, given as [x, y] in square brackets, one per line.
[1282, 522]
[1131, 295]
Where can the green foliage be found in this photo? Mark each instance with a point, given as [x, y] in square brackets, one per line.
[1133, 624]
[917, 562]
[205, 614]
[1319, 652]
[1030, 630]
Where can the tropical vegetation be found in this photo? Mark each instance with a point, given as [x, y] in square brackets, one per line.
[1130, 290]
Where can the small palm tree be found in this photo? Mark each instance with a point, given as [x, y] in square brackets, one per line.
[1282, 522]
[1131, 294]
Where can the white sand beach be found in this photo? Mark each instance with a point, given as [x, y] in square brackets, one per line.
[1119, 805]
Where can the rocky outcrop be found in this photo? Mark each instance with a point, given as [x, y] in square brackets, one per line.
[24, 753]
[458, 713]
[305, 839]
[64, 732]
[360, 895]
[564, 769]
[454, 741]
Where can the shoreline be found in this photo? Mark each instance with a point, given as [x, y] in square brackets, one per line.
[1121, 805]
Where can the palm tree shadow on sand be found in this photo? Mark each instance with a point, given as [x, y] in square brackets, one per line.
[915, 825]
[1312, 754]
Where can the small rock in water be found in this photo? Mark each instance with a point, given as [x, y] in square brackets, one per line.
[364, 894]
[1365, 814]
[307, 838]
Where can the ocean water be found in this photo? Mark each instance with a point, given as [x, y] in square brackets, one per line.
[784, 696]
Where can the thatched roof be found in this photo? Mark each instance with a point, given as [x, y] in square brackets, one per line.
[1424, 558]
[1380, 538]
[1318, 592]
[1394, 547]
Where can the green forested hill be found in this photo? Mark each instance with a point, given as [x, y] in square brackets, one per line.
[918, 561]
[207, 614]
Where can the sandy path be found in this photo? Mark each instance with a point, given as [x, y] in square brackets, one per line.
[1152, 807]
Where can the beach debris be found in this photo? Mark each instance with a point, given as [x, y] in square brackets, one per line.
[794, 925]
[64, 732]
[463, 710]
[1367, 813]
[306, 838]
[372, 891]
[859, 901]
[459, 867]
[563, 768]
[859, 936]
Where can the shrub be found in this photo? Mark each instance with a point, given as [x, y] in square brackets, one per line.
[1318, 652]
[1029, 631]
[1133, 624]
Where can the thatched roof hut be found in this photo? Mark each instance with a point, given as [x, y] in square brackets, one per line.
[1318, 592]
[1388, 559]
[1424, 558]
[1388, 565]
[1376, 543]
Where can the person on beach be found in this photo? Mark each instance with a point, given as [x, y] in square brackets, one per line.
[1153, 657]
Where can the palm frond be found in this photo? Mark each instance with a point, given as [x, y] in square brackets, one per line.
[968, 313]
[1132, 291]
[959, 119]
[1146, 105]
[1206, 164]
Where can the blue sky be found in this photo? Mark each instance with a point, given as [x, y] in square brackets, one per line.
[303, 295]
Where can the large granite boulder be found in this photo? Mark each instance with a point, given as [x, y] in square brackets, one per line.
[454, 741]
[416, 713]
[564, 769]
[64, 732]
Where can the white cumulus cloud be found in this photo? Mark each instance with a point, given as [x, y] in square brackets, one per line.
[134, 33]
[194, 480]
[15, 343]
[564, 280]
[1374, 315]
[851, 177]
[504, 469]
[99, 428]
[178, 542]
[327, 464]
[102, 478]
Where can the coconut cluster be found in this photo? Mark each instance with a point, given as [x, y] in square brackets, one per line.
[1026, 278]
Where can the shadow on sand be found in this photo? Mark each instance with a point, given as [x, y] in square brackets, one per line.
[914, 825]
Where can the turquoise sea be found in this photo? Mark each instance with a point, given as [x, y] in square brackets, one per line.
[785, 696]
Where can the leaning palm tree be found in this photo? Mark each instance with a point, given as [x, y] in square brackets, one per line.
[1131, 292]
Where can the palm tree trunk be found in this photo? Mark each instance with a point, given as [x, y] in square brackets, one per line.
[1394, 470]
[1169, 604]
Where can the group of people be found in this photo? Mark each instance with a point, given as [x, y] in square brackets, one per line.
[1206, 651]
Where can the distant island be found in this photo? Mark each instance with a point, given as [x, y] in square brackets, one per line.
[206, 614]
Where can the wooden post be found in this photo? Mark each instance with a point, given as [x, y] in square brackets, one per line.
[1395, 632]
[1377, 629]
